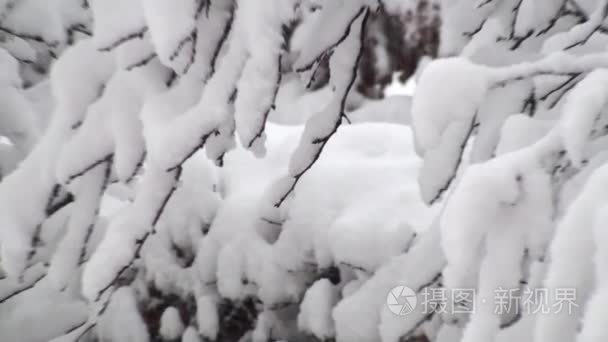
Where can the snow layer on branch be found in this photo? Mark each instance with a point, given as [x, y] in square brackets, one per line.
[294, 104]
[71, 251]
[18, 120]
[364, 316]
[92, 136]
[19, 48]
[207, 317]
[520, 131]
[161, 110]
[351, 232]
[315, 310]
[578, 33]
[116, 22]
[460, 84]
[581, 110]
[121, 321]
[594, 328]
[134, 53]
[113, 125]
[533, 16]
[321, 126]
[17, 117]
[497, 106]
[171, 325]
[269, 326]
[485, 39]
[125, 124]
[182, 136]
[458, 17]
[76, 77]
[512, 214]
[325, 29]
[190, 335]
[41, 314]
[261, 23]
[442, 161]
[327, 229]
[127, 232]
[172, 34]
[10, 66]
[42, 102]
[34, 19]
[233, 250]
[213, 27]
[571, 260]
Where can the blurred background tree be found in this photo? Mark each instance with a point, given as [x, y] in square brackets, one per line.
[398, 36]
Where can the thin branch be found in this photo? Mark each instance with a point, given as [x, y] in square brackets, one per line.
[322, 141]
[30, 36]
[463, 145]
[595, 29]
[91, 227]
[177, 173]
[52, 206]
[277, 84]
[139, 34]
[486, 2]
[561, 95]
[220, 43]
[560, 86]
[137, 168]
[149, 58]
[90, 167]
[478, 29]
[200, 145]
[21, 289]
[332, 46]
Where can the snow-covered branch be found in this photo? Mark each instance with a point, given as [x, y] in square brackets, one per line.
[319, 129]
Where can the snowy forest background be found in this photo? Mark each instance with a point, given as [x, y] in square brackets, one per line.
[250, 170]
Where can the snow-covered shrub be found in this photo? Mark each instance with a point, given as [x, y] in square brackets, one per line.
[161, 197]
[522, 89]
[158, 202]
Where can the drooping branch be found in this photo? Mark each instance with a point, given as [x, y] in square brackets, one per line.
[484, 3]
[52, 206]
[90, 167]
[476, 30]
[427, 316]
[319, 143]
[137, 168]
[561, 95]
[555, 64]
[445, 183]
[144, 61]
[220, 43]
[29, 36]
[176, 174]
[188, 155]
[32, 276]
[90, 228]
[327, 50]
[559, 87]
[262, 125]
[137, 34]
[594, 25]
